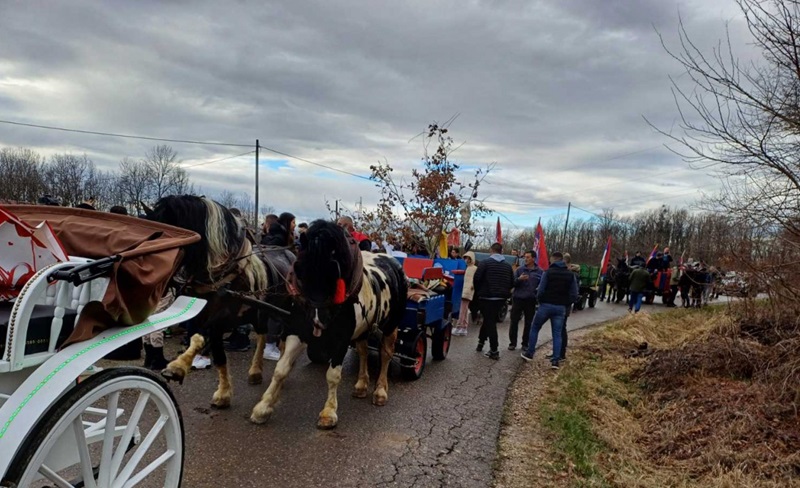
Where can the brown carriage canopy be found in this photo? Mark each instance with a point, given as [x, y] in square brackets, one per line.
[151, 253]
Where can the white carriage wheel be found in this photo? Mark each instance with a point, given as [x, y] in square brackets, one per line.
[116, 462]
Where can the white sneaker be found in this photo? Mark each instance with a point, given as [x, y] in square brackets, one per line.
[272, 352]
[201, 362]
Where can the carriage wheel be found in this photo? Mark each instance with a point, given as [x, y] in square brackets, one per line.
[503, 312]
[413, 369]
[441, 341]
[118, 427]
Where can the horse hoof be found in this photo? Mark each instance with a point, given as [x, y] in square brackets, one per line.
[254, 379]
[260, 415]
[379, 400]
[220, 402]
[173, 375]
[359, 393]
[327, 423]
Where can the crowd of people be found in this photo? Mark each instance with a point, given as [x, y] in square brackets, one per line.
[537, 296]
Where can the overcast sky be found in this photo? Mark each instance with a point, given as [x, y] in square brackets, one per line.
[553, 91]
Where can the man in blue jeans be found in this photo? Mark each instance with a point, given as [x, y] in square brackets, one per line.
[558, 290]
[639, 280]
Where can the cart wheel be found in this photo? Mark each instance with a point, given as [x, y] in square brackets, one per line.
[592, 299]
[440, 345]
[413, 369]
[580, 303]
[72, 445]
[650, 298]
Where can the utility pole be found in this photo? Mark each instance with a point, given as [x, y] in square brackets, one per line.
[337, 209]
[256, 223]
[564, 241]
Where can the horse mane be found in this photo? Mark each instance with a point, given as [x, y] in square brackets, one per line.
[326, 258]
[221, 233]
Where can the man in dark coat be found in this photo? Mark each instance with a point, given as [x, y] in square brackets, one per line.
[558, 290]
[493, 281]
[526, 281]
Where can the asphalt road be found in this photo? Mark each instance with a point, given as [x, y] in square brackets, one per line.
[438, 431]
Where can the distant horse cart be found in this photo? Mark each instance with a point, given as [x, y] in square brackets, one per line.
[119, 426]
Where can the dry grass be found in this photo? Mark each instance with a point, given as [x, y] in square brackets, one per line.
[708, 402]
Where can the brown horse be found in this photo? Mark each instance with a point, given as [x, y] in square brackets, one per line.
[226, 269]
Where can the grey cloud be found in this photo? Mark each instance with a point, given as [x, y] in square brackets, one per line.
[547, 89]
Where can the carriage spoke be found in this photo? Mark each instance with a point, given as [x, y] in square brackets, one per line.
[83, 453]
[108, 439]
[54, 477]
[133, 421]
[149, 469]
[141, 450]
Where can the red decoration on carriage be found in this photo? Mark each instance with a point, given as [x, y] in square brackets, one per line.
[24, 250]
[145, 256]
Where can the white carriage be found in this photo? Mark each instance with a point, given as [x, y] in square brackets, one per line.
[119, 427]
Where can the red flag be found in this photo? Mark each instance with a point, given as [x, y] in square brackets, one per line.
[499, 234]
[540, 247]
[652, 254]
[454, 237]
[606, 257]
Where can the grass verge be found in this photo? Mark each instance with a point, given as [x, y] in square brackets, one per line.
[673, 399]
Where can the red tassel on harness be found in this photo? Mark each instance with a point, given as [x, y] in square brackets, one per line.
[339, 296]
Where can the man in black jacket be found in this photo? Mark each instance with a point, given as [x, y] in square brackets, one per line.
[526, 282]
[558, 290]
[493, 281]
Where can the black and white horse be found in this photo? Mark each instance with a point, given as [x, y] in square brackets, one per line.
[347, 295]
[223, 260]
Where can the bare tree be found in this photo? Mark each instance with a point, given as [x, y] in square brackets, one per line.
[743, 120]
[167, 177]
[21, 174]
[70, 178]
[134, 181]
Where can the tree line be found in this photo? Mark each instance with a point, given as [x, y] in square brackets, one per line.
[27, 176]
[712, 237]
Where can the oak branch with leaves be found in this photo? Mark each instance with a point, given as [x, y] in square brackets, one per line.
[433, 199]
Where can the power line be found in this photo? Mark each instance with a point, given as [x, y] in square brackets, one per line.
[126, 136]
[314, 163]
[217, 160]
[184, 141]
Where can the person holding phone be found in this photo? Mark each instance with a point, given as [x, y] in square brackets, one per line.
[526, 281]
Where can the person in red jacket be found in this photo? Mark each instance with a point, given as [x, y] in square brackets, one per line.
[347, 223]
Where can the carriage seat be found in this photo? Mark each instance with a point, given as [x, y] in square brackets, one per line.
[38, 338]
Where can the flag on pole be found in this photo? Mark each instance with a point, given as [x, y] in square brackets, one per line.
[443, 246]
[604, 261]
[540, 247]
[652, 254]
[499, 233]
[606, 257]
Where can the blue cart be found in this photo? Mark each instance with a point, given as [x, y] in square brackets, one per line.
[429, 315]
